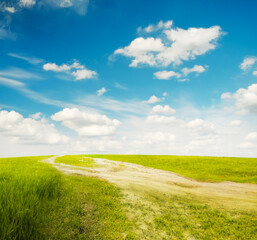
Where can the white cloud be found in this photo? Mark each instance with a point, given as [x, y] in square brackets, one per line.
[36, 115]
[118, 85]
[28, 130]
[255, 73]
[245, 99]
[153, 28]
[184, 80]
[252, 136]
[84, 74]
[18, 73]
[10, 9]
[10, 82]
[158, 138]
[86, 124]
[107, 104]
[235, 123]
[101, 91]
[54, 67]
[31, 60]
[65, 3]
[181, 45]
[27, 3]
[197, 69]
[247, 63]
[164, 94]
[187, 44]
[79, 6]
[201, 127]
[161, 119]
[142, 50]
[167, 110]
[165, 75]
[153, 99]
[80, 73]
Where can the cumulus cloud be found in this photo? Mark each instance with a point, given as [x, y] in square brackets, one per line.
[142, 50]
[252, 136]
[27, 3]
[245, 99]
[167, 110]
[28, 130]
[153, 99]
[160, 119]
[196, 68]
[101, 91]
[159, 138]
[76, 69]
[255, 73]
[84, 74]
[180, 45]
[247, 63]
[54, 67]
[250, 141]
[155, 27]
[235, 123]
[165, 75]
[201, 127]
[86, 124]
[10, 9]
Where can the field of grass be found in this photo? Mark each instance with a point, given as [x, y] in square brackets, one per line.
[180, 217]
[168, 215]
[38, 202]
[212, 169]
[76, 160]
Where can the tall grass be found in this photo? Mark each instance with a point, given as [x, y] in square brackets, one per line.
[38, 202]
[213, 169]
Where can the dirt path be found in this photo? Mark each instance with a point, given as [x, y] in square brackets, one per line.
[135, 180]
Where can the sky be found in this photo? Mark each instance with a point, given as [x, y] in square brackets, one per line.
[175, 77]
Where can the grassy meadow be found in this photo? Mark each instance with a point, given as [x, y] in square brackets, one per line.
[210, 169]
[38, 202]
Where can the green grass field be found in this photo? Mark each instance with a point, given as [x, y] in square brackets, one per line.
[38, 202]
[212, 169]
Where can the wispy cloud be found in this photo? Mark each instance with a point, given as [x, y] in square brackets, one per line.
[118, 85]
[129, 106]
[31, 60]
[18, 73]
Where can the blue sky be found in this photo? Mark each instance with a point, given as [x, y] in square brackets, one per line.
[109, 76]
